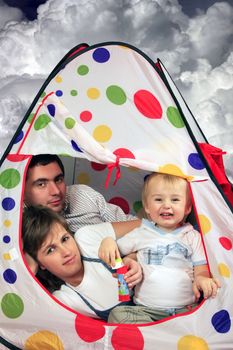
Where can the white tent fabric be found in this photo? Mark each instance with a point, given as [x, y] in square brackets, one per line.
[109, 107]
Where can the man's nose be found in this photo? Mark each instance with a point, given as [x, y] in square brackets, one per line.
[54, 188]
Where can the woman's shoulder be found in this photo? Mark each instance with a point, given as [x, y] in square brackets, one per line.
[64, 292]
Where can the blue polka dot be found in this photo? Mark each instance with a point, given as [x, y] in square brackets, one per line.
[195, 161]
[19, 137]
[101, 55]
[75, 146]
[6, 239]
[221, 321]
[8, 203]
[51, 109]
[9, 276]
[59, 93]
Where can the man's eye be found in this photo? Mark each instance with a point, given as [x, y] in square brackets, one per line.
[176, 199]
[41, 184]
[60, 180]
[158, 199]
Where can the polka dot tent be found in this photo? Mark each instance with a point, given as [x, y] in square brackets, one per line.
[101, 55]
[148, 104]
[122, 203]
[45, 340]
[85, 116]
[190, 342]
[12, 305]
[100, 110]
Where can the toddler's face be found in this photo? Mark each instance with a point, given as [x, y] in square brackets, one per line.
[167, 203]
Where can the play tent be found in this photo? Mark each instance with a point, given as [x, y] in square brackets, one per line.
[115, 117]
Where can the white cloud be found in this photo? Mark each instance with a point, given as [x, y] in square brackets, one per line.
[211, 33]
[197, 52]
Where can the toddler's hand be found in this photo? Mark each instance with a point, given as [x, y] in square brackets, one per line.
[108, 251]
[209, 287]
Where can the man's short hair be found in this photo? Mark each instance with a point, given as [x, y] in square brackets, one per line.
[45, 159]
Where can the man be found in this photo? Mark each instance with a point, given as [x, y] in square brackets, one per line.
[79, 204]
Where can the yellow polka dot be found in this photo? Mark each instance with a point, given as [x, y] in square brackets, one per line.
[83, 178]
[58, 79]
[93, 93]
[7, 223]
[205, 223]
[102, 133]
[174, 170]
[6, 256]
[43, 340]
[124, 47]
[133, 169]
[191, 342]
[224, 270]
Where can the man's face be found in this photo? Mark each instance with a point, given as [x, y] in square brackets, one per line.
[45, 186]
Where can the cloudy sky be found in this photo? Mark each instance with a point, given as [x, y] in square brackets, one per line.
[193, 39]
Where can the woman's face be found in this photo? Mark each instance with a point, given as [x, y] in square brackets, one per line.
[60, 255]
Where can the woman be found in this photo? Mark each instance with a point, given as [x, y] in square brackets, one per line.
[69, 267]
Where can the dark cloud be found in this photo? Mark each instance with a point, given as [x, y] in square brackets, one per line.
[192, 8]
[28, 7]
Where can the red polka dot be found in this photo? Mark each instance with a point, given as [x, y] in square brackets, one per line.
[124, 153]
[85, 116]
[127, 338]
[98, 167]
[16, 157]
[226, 243]
[147, 104]
[88, 329]
[121, 202]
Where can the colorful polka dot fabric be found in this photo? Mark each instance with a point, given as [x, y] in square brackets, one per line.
[121, 117]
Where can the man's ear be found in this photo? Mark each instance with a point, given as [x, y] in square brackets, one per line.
[42, 267]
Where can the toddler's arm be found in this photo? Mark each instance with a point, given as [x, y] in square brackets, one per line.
[203, 282]
[123, 227]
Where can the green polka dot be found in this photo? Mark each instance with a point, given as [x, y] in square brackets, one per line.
[43, 94]
[74, 92]
[9, 178]
[31, 116]
[12, 305]
[82, 70]
[137, 206]
[65, 155]
[116, 95]
[174, 117]
[42, 121]
[69, 123]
